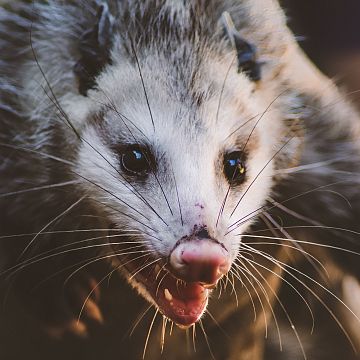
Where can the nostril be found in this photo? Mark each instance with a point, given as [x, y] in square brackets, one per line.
[203, 233]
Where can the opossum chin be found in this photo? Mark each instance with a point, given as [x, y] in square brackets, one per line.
[182, 302]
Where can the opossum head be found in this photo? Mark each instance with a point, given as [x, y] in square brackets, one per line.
[177, 152]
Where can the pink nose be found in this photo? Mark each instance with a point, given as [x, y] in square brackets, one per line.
[203, 261]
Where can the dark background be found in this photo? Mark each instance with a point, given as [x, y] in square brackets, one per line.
[329, 32]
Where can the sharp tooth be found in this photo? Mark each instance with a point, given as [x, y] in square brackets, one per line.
[168, 295]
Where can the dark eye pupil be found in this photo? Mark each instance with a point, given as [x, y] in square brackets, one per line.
[234, 168]
[134, 162]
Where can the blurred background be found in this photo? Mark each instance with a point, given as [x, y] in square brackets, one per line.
[329, 32]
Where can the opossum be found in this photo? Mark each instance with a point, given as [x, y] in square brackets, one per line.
[189, 147]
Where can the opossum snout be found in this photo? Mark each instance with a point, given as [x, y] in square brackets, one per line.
[200, 260]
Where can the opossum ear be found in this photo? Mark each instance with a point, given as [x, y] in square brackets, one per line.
[246, 56]
[94, 48]
[246, 52]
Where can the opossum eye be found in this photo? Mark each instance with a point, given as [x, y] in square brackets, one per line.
[234, 168]
[135, 161]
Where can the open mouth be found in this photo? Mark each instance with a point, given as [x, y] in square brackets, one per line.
[180, 285]
[182, 302]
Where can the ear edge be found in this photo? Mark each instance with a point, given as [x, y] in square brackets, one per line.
[95, 50]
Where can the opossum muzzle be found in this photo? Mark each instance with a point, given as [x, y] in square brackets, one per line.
[181, 287]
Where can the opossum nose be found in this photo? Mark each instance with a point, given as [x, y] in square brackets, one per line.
[203, 261]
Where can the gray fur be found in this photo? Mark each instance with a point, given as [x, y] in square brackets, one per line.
[179, 45]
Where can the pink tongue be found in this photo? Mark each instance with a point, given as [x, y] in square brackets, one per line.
[182, 303]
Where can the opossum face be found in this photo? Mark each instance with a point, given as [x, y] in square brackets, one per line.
[184, 174]
[179, 160]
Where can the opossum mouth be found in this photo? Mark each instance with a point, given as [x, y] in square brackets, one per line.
[183, 303]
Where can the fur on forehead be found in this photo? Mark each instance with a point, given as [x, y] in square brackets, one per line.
[195, 46]
[227, 98]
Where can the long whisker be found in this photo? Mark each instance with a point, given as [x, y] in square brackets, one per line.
[39, 188]
[91, 292]
[281, 305]
[39, 257]
[54, 100]
[320, 285]
[244, 270]
[259, 173]
[255, 213]
[108, 257]
[308, 258]
[137, 322]
[293, 213]
[251, 250]
[55, 232]
[123, 118]
[293, 248]
[304, 242]
[223, 87]
[149, 332]
[161, 280]
[233, 291]
[206, 339]
[217, 324]
[56, 103]
[241, 126]
[237, 276]
[43, 256]
[113, 195]
[47, 156]
[85, 262]
[285, 268]
[72, 165]
[126, 183]
[178, 198]
[63, 213]
[120, 115]
[142, 268]
[311, 166]
[260, 118]
[150, 112]
[128, 216]
[194, 337]
[142, 80]
[243, 150]
[17, 269]
[163, 333]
